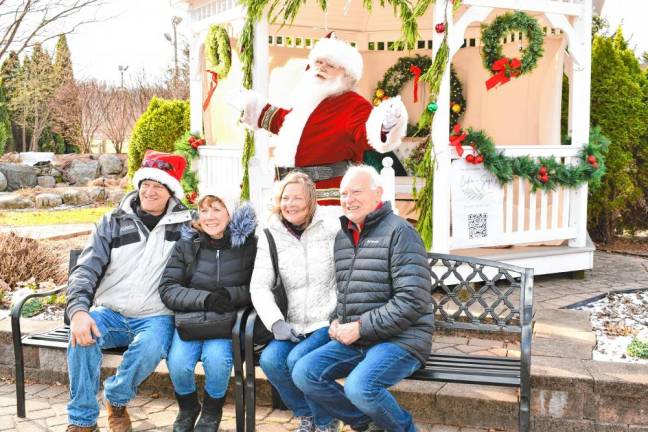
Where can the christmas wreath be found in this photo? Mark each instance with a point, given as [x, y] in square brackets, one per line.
[404, 70]
[187, 146]
[219, 51]
[504, 68]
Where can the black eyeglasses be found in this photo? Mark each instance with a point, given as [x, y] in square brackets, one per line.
[155, 163]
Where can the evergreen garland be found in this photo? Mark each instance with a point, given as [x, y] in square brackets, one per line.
[187, 147]
[219, 51]
[499, 29]
[543, 173]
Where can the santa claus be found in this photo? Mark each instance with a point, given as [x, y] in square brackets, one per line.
[329, 126]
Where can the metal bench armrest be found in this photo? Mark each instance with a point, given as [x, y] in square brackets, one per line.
[16, 309]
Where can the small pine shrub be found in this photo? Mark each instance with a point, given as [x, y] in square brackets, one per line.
[157, 129]
[638, 348]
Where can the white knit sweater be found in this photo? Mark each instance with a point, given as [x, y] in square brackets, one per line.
[307, 269]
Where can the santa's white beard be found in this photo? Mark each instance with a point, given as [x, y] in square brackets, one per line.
[310, 91]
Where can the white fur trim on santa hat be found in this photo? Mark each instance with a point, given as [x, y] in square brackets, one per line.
[229, 195]
[374, 129]
[338, 53]
[158, 175]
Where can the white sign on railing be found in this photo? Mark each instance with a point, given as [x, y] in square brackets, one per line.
[476, 201]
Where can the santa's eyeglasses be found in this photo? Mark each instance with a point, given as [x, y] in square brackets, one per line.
[155, 163]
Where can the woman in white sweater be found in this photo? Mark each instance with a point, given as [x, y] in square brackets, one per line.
[304, 240]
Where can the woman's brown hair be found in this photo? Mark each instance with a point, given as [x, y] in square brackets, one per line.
[297, 177]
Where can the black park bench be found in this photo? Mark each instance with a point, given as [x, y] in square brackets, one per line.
[468, 295]
[58, 338]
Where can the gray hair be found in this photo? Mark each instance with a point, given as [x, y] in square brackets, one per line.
[376, 180]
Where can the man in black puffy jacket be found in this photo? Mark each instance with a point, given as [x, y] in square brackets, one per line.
[382, 326]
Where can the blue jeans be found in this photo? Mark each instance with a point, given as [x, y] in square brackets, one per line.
[369, 371]
[277, 362]
[217, 359]
[148, 341]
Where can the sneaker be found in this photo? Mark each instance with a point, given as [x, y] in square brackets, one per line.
[75, 428]
[334, 426]
[305, 424]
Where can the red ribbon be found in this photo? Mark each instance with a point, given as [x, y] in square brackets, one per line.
[457, 138]
[417, 74]
[212, 87]
[504, 69]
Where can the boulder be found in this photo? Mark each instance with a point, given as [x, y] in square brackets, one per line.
[115, 195]
[14, 201]
[18, 176]
[110, 164]
[81, 172]
[46, 200]
[3, 182]
[46, 181]
[97, 193]
[76, 197]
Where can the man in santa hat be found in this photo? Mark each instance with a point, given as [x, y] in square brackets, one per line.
[112, 295]
[329, 126]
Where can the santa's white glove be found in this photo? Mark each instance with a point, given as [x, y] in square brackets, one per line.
[249, 103]
[394, 113]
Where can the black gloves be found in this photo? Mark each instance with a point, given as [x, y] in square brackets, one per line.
[219, 301]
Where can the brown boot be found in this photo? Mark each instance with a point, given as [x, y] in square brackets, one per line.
[75, 428]
[118, 419]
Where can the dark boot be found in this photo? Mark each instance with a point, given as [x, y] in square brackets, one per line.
[210, 417]
[188, 413]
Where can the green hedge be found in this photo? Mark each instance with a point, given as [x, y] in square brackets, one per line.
[157, 129]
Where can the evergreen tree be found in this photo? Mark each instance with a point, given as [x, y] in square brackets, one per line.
[8, 72]
[618, 107]
[66, 99]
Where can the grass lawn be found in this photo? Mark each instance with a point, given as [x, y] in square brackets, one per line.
[52, 217]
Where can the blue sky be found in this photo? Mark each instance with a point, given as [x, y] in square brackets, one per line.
[134, 36]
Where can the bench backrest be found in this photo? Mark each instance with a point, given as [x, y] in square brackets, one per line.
[476, 294]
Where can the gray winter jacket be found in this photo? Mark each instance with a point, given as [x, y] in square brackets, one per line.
[122, 263]
[385, 283]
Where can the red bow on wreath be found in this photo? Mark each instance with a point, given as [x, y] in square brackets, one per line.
[504, 69]
[457, 138]
[212, 87]
[417, 74]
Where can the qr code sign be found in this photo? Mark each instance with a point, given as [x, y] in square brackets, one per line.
[477, 223]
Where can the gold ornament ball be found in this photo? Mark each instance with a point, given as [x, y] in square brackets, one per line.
[380, 93]
[377, 101]
[456, 108]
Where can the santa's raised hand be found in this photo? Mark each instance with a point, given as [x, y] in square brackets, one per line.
[387, 124]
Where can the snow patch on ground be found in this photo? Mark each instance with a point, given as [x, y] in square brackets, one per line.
[617, 319]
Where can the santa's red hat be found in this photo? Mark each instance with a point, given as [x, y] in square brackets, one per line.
[338, 53]
[164, 168]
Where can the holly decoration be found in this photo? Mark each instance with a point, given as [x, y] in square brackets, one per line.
[187, 146]
[504, 68]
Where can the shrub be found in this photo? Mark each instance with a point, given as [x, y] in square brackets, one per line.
[24, 258]
[638, 349]
[157, 129]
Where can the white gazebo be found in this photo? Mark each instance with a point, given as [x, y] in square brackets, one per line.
[543, 230]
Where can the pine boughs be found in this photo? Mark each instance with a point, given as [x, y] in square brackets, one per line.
[218, 49]
[187, 147]
[545, 173]
[500, 28]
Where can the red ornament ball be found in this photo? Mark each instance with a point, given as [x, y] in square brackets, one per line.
[479, 159]
[542, 171]
[470, 158]
[440, 28]
[591, 159]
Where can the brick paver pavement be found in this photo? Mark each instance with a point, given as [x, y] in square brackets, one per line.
[46, 408]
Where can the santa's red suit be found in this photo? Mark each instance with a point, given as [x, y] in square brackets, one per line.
[331, 133]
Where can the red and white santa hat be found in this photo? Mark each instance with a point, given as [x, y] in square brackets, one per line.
[338, 53]
[164, 168]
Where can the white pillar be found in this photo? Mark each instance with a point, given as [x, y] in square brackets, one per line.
[195, 82]
[440, 142]
[580, 118]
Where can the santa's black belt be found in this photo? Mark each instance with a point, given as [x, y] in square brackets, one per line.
[316, 172]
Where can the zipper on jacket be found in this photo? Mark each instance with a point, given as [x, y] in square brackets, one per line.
[305, 246]
[217, 268]
[346, 286]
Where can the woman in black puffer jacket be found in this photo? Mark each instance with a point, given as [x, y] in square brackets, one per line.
[206, 279]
